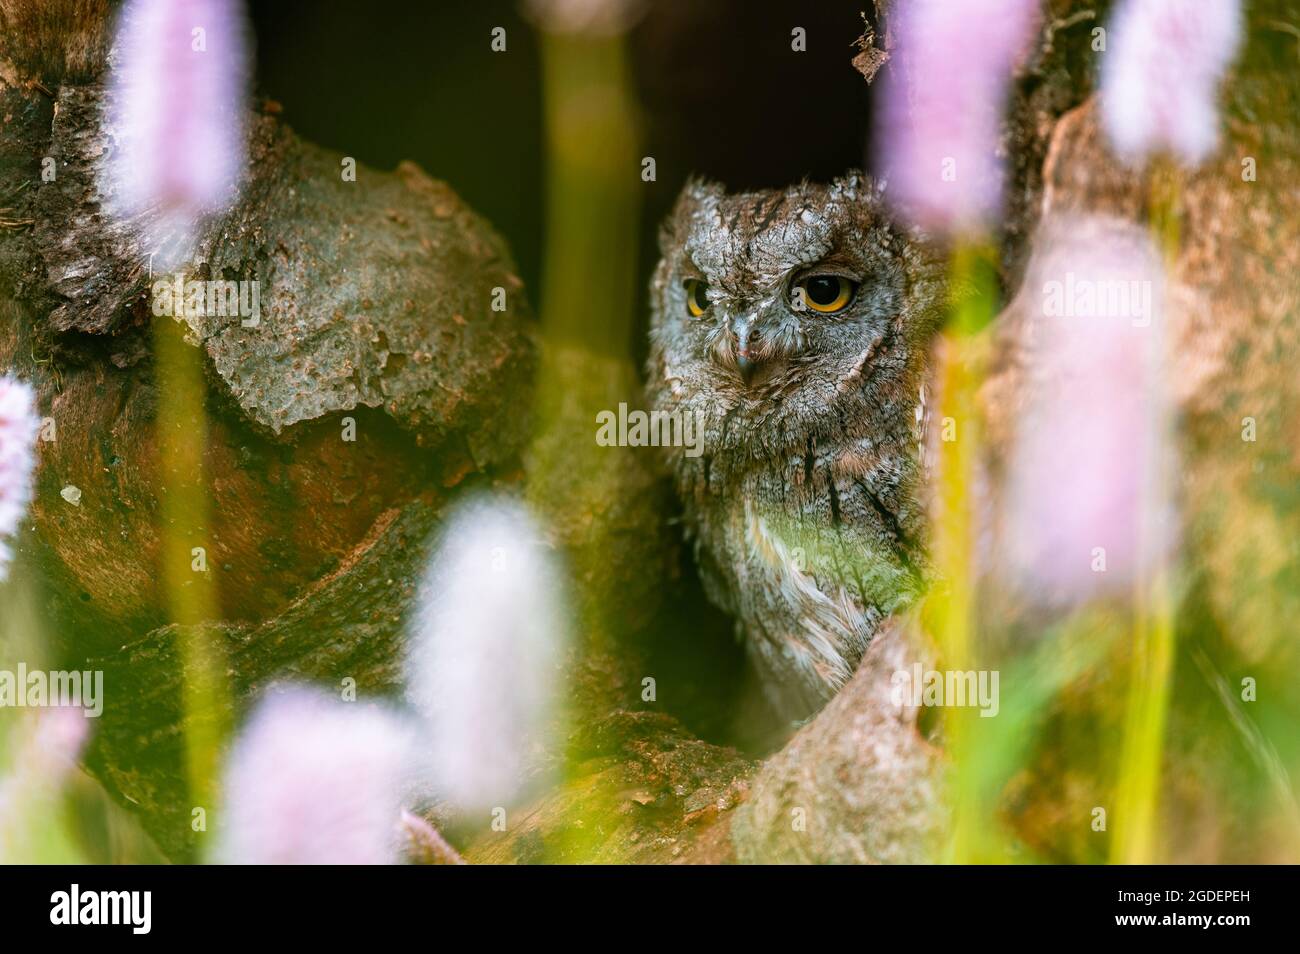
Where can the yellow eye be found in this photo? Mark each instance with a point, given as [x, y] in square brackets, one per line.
[826, 293]
[697, 301]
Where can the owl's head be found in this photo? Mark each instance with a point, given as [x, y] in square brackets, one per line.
[791, 303]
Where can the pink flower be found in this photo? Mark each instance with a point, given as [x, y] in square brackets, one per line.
[45, 755]
[314, 780]
[943, 94]
[177, 110]
[1160, 78]
[48, 753]
[594, 17]
[1087, 498]
[18, 427]
[485, 659]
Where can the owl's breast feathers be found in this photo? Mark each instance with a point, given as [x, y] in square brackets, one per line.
[811, 552]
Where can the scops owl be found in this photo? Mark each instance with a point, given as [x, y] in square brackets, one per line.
[795, 327]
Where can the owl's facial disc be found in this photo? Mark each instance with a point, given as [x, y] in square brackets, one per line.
[753, 334]
[777, 296]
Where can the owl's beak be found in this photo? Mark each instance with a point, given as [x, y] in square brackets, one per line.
[746, 365]
[746, 362]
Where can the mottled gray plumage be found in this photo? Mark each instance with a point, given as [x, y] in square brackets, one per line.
[803, 506]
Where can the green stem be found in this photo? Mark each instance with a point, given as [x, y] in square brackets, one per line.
[951, 608]
[190, 593]
[1150, 671]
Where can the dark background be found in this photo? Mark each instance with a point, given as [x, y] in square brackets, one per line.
[722, 92]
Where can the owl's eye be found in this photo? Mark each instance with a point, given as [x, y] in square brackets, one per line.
[826, 293]
[697, 298]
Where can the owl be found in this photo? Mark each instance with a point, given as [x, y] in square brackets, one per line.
[794, 328]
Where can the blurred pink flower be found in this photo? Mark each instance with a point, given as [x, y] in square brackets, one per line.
[1160, 76]
[48, 744]
[314, 780]
[942, 98]
[1088, 507]
[594, 17]
[48, 751]
[485, 659]
[18, 427]
[177, 110]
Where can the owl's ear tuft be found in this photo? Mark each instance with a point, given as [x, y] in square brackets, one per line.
[698, 193]
[855, 185]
